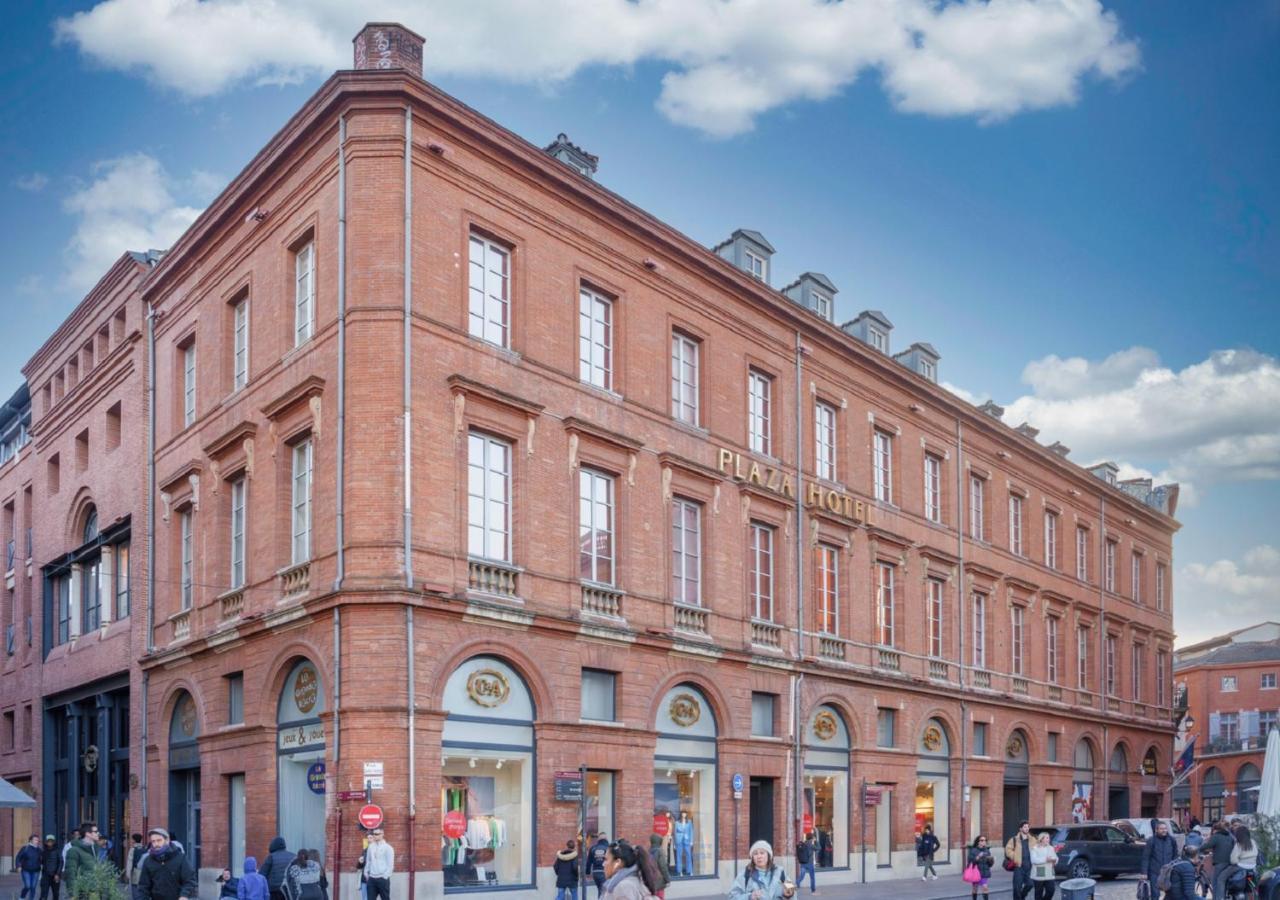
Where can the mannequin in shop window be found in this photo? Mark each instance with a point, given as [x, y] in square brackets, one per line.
[684, 844]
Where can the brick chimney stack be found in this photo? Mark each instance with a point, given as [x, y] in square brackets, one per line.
[388, 45]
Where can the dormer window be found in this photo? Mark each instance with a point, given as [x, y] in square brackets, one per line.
[928, 370]
[879, 339]
[822, 305]
[757, 266]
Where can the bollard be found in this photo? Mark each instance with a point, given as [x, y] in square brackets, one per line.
[1078, 889]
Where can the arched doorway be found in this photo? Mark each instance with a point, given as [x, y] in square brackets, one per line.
[184, 777]
[1082, 781]
[1017, 782]
[300, 774]
[1118, 784]
[486, 777]
[1150, 794]
[1213, 788]
[933, 785]
[826, 785]
[684, 780]
[1248, 780]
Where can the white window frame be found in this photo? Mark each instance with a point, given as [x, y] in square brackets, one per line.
[1161, 684]
[1136, 662]
[979, 601]
[489, 291]
[240, 343]
[1017, 643]
[186, 558]
[1109, 648]
[882, 465]
[936, 590]
[977, 507]
[595, 338]
[757, 266]
[828, 588]
[759, 412]
[1110, 550]
[1051, 649]
[304, 293]
[685, 377]
[188, 384]
[1082, 553]
[596, 526]
[822, 305]
[878, 339]
[1051, 539]
[932, 488]
[489, 489]
[885, 605]
[238, 530]
[1015, 525]
[761, 571]
[1083, 639]
[1228, 684]
[1162, 574]
[686, 551]
[1135, 576]
[1267, 681]
[824, 440]
[928, 370]
[300, 502]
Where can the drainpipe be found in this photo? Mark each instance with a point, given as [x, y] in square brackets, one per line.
[408, 359]
[413, 767]
[146, 684]
[151, 544]
[339, 514]
[798, 680]
[961, 511]
[1103, 764]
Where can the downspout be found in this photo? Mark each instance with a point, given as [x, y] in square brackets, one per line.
[408, 358]
[151, 545]
[340, 512]
[961, 511]
[798, 679]
[413, 767]
[1103, 764]
[146, 684]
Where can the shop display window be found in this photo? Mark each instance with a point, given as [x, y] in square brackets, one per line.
[486, 802]
[826, 800]
[685, 794]
[599, 792]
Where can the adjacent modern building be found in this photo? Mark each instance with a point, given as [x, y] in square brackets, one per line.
[424, 465]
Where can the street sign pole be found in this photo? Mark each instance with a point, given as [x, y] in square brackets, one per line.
[736, 784]
[582, 829]
[862, 829]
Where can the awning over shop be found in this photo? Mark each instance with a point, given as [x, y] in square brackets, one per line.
[11, 797]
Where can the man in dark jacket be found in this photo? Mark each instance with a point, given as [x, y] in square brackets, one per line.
[275, 867]
[166, 872]
[566, 869]
[1220, 845]
[81, 856]
[1182, 877]
[50, 868]
[1159, 849]
[596, 864]
[27, 862]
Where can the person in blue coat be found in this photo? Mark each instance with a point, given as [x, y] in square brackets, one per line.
[1159, 850]
[684, 844]
[1182, 877]
[252, 886]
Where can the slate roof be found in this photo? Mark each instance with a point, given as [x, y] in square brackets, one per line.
[1249, 652]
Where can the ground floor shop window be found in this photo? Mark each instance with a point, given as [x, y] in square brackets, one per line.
[687, 793]
[599, 791]
[300, 767]
[884, 827]
[1081, 801]
[826, 799]
[487, 802]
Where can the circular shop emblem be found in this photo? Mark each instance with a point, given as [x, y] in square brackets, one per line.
[1015, 746]
[488, 687]
[932, 738]
[305, 689]
[824, 725]
[685, 710]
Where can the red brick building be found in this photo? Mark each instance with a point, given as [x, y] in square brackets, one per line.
[468, 473]
[1232, 702]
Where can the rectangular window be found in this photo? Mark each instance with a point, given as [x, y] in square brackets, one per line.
[1083, 641]
[1162, 662]
[63, 598]
[979, 631]
[121, 570]
[1110, 647]
[684, 378]
[490, 292]
[240, 333]
[1051, 649]
[1015, 525]
[1266, 721]
[936, 589]
[304, 294]
[235, 698]
[1051, 540]
[822, 305]
[1109, 569]
[977, 523]
[932, 488]
[1136, 662]
[1229, 726]
[884, 604]
[686, 551]
[301, 502]
[91, 596]
[596, 560]
[1135, 576]
[599, 690]
[1228, 683]
[488, 497]
[187, 560]
[1268, 681]
[885, 722]
[928, 370]
[827, 583]
[762, 714]
[979, 738]
[1082, 553]
[757, 266]
[879, 339]
[188, 384]
[882, 465]
[237, 532]
[761, 571]
[1051, 750]
[759, 412]
[1161, 575]
[824, 440]
[595, 339]
[1016, 644]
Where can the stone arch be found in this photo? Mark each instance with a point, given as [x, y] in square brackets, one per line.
[1091, 741]
[81, 505]
[950, 727]
[1153, 753]
[169, 702]
[269, 699]
[1022, 734]
[715, 699]
[1121, 752]
[841, 706]
[519, 662]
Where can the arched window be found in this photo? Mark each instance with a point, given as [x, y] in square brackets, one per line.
[1248, 780]
[1082, 782]
[684, 778]
[184, 776]
[1213, 789]
[90, 531]
[1119, 760]
[826, 785]
[300, 771]
[933, 781]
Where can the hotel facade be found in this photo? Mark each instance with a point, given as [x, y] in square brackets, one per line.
[447, 472]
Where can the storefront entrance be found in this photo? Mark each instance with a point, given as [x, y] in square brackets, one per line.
[760, 810]
[300, 773]
[685, 779]
[826, 785]
[1082, 782]
[933, 786]
[184, 777]
[1118, 789]
[1017, 783]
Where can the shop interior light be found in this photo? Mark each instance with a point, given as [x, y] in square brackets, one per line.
[669, 773]
[500, 762]
[473, 762]
[693, 773]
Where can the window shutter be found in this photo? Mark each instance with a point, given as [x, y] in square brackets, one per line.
[1248, 723]
[1213, 726]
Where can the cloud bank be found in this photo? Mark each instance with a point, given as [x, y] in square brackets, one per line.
[1243, 592]
[727, 61]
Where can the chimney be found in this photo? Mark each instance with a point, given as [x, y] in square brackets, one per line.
[1060, 448]
[388, 45]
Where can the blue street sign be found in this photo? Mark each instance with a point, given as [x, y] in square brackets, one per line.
[737, 783]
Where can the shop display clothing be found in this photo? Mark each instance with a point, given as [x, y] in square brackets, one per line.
[684, 847]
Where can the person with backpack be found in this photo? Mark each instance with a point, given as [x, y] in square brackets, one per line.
[980, 857]
[658, 853]
[806, 851]
[1044, 862]
[1218, 848]
[595, 864]
[926, 846]
[1178, 880]
[133, 864]
[252, 886]
[629, 873]
[762, 879]
[1159, 851]
[566, 869]
[276, 865]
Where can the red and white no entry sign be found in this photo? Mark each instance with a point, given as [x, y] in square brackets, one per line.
[370, 816]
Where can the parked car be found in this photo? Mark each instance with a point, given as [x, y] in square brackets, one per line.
[1093, 848]
[1140, 829]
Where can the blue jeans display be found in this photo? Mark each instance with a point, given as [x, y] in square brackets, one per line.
[684, 859]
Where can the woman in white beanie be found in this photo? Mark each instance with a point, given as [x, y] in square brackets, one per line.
[762, 880]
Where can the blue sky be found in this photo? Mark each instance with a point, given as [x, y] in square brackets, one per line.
[1076, 203]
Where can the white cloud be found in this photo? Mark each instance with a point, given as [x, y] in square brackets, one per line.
[965, 395]
[33, 183]
[728, 61]
[129, 205]
[1243, 593]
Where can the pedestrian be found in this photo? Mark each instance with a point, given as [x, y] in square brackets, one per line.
[1044, 861]
[658, 853]
[379, 863]
[167, 874]
[762, 879]
[81, 856]
[314, 856]
[228, 885]
[72, 836]
[1244, 856]
[926, 846]
[133, 864]
[684, 844]
[566, 869]
[304, 879]
[1159, 850]
[1018, 849]
[251, 885]
[1193, 823]
[1182, 877]
[50, 868]
[596, 863]
[980, 855]
[275, 866]
[28, 864]
[629, 872]
[806, 851]
[1218, 849]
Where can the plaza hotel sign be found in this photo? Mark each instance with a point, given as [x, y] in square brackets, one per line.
[749, 471]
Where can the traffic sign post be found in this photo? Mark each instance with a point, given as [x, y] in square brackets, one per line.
[736, 784]
[370, 816]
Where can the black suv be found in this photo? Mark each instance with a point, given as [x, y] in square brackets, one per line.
[1093, 848]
